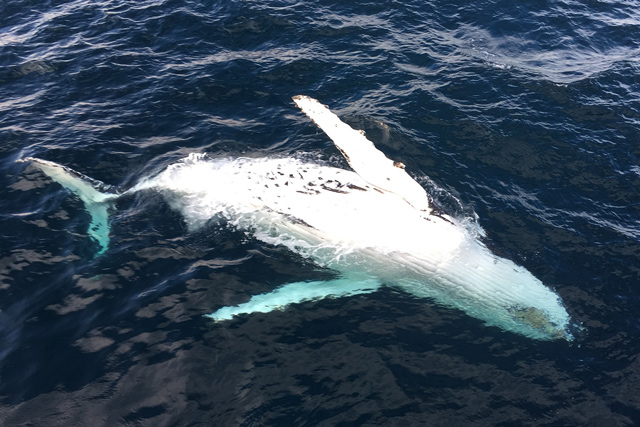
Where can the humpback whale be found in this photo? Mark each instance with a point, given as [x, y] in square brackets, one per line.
[372, 225]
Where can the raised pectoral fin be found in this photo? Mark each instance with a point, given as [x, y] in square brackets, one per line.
[362, 155]
[298, 292]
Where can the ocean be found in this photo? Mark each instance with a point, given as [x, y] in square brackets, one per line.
[523, 116]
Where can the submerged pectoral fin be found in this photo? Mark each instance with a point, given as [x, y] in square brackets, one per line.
[96, 196]
[298, 292]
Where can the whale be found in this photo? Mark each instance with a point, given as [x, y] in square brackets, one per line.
[371, 225]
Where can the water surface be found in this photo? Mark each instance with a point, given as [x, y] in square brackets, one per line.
[526, 114]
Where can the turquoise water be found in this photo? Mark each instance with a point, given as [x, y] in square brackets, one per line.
[526, 114]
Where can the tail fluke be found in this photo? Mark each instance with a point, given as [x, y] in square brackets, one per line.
[295, 293]
[98, 198]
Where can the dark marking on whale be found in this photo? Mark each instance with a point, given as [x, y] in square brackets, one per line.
[355, 187]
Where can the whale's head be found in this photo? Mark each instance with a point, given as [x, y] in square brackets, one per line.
[490, 288]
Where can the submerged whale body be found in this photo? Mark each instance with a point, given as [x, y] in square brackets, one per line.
[373, 226]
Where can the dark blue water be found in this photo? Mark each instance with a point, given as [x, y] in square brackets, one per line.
[526, 112]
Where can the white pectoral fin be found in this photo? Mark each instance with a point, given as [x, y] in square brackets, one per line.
[298, 292]
[365, 159]
[93, 193]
